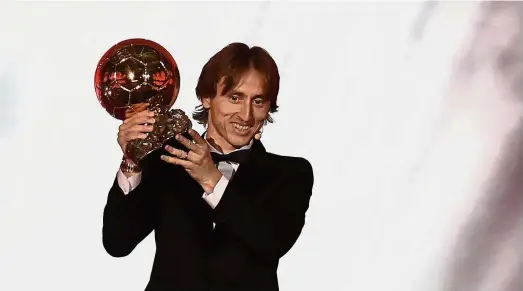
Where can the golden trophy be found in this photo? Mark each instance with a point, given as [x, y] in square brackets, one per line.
[134, 72]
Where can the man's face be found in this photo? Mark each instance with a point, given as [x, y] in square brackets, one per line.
[235, 117]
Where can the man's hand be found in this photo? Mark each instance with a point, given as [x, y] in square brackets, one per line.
[197, 161]
[138, 124]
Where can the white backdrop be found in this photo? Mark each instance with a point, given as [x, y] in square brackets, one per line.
[411, 115]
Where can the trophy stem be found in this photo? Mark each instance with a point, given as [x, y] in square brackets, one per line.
[166, 126]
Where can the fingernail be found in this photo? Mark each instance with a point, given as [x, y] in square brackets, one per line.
[167, 147]
[178, 136]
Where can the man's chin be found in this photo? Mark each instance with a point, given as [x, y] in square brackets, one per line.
[240, 141]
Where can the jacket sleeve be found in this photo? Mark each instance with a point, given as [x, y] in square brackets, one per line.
[129, 218]
[268, 230]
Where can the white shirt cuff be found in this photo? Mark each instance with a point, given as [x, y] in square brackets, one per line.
[128, 184]
[214, 198]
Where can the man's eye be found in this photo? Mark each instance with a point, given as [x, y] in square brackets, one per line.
[235, 97]
[259, 101]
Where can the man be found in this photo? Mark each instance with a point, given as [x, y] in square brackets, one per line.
[224, 210]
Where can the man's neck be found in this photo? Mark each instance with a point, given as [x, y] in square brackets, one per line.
[217, 142]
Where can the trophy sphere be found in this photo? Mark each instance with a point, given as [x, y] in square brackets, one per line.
[133, 72]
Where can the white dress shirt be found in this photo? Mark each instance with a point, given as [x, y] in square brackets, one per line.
[228, 169]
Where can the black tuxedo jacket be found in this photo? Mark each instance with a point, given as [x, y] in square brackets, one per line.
[258, 219]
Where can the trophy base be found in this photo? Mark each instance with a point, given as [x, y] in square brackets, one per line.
[166, 126]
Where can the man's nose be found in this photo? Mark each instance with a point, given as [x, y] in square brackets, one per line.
[246, 112]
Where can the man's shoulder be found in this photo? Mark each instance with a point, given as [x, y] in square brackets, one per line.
[289, 163]
[290, 169]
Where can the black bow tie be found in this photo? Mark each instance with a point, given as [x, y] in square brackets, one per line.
[235, 157]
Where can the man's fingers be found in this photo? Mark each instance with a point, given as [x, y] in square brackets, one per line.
[135, 109]
[145, 116]
[187, 143]
[129, 113]
[181, 154]
[139, 107]
[197, 138]
[136, 127]
[126, 129]
[178, 152]
[136, 135]
[176, 161]
[126, 137]
[142, 128]
[130, 123]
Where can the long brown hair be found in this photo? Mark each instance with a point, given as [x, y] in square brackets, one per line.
[230, 64]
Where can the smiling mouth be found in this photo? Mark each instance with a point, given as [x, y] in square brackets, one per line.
[241, 128]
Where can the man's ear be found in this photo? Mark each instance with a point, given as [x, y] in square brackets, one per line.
[206, 102]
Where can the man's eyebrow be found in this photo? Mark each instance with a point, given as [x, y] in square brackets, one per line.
[240, 93]
[235, 92]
